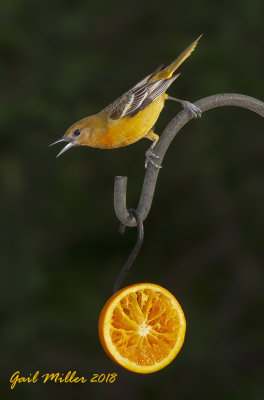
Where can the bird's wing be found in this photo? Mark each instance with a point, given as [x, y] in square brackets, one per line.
[139, 97]
[147, 79]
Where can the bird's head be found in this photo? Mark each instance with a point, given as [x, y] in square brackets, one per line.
[81, 133]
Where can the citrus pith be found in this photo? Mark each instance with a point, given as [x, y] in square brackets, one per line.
[142, 327]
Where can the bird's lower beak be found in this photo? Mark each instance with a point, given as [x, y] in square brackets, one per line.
[65, 148]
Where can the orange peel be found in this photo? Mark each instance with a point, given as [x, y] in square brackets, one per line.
[142, 327]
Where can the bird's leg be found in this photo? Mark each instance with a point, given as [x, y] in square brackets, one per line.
[149, 153]
[193, 109]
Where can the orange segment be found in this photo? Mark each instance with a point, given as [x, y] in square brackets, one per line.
[142, 327]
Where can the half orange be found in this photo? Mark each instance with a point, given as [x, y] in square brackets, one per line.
[142, 327]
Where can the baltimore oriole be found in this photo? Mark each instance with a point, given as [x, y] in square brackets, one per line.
[132, 116]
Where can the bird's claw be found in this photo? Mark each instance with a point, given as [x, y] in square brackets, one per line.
[195, 111]
[149, 155]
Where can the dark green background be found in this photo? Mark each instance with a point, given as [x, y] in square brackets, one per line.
[60, 249]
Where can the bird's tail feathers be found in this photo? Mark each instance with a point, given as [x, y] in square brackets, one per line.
[168, 71]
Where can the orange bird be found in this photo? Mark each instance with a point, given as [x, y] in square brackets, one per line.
[132, 116]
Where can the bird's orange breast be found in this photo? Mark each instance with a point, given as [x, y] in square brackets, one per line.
[128, 130]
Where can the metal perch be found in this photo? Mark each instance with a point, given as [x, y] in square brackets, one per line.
[174, 126]
[123, 214]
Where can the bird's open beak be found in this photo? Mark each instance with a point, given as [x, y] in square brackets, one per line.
[65, 148]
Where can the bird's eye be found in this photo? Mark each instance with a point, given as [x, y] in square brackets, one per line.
[77, 132]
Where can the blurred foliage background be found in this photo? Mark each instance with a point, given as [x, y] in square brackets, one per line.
[60, 249]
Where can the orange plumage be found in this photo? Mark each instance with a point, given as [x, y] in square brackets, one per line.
[132, 116]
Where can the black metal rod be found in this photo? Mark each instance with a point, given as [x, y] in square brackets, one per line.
[174, 126]
[134, 253]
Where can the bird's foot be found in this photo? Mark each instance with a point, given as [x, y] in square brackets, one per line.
[149, 158]
[195, 111]
[187, 105]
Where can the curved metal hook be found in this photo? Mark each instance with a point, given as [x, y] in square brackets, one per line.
[174, 126]
[134, 253]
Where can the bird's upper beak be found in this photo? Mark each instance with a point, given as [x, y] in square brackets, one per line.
[68, 145]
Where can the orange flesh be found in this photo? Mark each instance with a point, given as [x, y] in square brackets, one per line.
[145, 328]
[146, 322]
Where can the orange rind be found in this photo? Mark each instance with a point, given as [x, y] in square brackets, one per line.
[142, 327]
